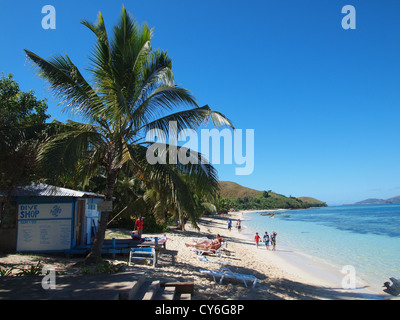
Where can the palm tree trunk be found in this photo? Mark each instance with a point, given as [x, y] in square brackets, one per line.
[97, 247]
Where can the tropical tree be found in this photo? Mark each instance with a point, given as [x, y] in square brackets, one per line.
[22, 128]
[132, 90]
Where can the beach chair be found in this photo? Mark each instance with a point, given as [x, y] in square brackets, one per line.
[143, 254]
[198, 239]
[216, 252]
[220, 252]
[225, 273]
[205, 259]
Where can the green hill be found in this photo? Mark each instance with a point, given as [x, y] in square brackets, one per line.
[231, 189]
[312, 201]
[233, 195]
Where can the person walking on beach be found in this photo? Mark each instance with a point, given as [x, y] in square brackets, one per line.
[229, 224]
[239, 225]
[257, 239]
[266, 240]
[273, 240]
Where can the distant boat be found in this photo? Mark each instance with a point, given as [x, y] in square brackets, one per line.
[267, 214]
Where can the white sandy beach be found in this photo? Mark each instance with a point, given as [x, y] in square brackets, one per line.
[283, 274]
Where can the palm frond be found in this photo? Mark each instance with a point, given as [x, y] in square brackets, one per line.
[101, 57]
[68, 84]
[187, 119]
[155, 70]
[64, 151]
[161, 100]
[163, 177]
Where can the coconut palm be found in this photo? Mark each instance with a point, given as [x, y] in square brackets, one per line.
[132, 91]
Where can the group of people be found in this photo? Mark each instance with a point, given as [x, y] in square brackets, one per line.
[267, 239]
[238, 225]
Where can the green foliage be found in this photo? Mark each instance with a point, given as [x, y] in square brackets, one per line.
[34, 270]
[4, 272]
[19, 109]
[152, 226]
[22, 130]
[268, 200]
[225, 204]
[235, 196]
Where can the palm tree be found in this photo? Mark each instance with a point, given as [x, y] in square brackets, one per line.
[132, 91]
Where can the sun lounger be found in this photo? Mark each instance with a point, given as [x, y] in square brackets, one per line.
[225, 273]
[143, 254]
[205, 259]
[216, 252]
[220, 252]
[198, 239]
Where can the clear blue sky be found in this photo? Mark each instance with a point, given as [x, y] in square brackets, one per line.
[323, 101]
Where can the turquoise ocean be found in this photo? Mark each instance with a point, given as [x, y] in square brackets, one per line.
[365, 237]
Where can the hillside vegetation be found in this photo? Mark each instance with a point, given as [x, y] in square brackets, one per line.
[230, 189]
[234, 196]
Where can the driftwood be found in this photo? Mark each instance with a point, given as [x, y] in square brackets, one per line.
[393, 289]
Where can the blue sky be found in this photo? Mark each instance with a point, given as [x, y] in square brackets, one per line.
[323, 101]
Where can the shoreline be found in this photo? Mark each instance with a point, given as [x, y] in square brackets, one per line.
[310, 269]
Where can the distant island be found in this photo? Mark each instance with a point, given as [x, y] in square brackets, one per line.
[394, 200]
[235, 196]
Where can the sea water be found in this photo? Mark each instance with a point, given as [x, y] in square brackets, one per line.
[364, 237]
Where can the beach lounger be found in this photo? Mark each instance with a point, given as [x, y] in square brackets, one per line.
[220, 252]
[225, 273]
[216, 252]
[205, 259]
[198, 239]
[143, 254]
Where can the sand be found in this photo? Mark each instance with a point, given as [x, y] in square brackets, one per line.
[283, 275]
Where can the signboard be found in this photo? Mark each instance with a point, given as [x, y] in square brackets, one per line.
[44, 227]
[104, 206]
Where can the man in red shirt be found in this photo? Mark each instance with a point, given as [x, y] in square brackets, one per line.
[257, 239]
[139, 226]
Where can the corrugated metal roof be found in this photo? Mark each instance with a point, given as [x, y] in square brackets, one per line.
[45, 190]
